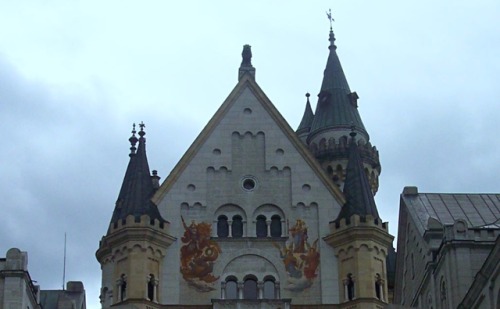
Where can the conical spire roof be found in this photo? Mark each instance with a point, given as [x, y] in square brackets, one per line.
[337, 106]
[357, 190]
[137, 187]
[307, 118]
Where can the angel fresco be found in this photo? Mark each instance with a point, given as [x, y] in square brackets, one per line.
[301, 259]
[198, 255]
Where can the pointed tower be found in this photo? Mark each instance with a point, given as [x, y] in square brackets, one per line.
[336, 112]
[131, 253]
[360, 239]
[306, 122]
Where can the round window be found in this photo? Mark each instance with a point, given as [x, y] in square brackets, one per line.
[248, 183]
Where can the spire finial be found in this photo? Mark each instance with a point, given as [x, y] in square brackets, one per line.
[329, 15]
[133, 140]
[142, 126]
[332, 36]
[307, 96]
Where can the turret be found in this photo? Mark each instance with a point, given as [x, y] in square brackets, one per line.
[360, 239]
[306, 122]
[131, 254]
[336, 113]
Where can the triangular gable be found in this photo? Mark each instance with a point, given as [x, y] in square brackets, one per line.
[246, 81]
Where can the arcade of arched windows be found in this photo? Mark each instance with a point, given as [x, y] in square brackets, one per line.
[231, 222]
[250, 287]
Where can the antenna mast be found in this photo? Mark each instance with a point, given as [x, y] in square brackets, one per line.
[64, 264]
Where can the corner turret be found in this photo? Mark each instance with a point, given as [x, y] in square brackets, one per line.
[138, 185]
[307, 119]
[361, 240]
[131, 254]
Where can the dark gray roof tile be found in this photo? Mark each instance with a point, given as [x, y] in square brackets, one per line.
[478, 210]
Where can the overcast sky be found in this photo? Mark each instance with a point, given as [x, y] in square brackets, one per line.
[75, 75]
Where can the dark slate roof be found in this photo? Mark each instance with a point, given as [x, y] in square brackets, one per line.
[478, 210]
[335, 108]
[357, 190]
[55, 299]
[307, 118]
[137, 187]
[390, 264]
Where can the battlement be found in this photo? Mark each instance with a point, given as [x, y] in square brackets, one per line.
[143, 221]
[359, 231]
[358, 221]
[140, 231]
[332, 149]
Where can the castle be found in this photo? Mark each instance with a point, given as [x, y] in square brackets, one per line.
[258, 215]
[255, 214]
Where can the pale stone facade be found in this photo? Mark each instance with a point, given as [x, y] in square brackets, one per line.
[246, 143]
[17, 290]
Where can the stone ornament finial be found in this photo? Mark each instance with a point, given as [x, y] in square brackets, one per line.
[246, 55]
[133, 140]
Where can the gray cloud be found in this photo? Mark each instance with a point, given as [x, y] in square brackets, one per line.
[71, 87]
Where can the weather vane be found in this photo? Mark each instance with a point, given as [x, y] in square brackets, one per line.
[329, 15]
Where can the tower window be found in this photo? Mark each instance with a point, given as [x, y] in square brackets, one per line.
[237, 226]
[261, 226]
[122, 287]
[379, 287]
[275, 226]
[222, 226]
[151, 287]
[349, 287]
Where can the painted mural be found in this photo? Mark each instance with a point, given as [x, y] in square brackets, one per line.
[198, 255]
[301, 259]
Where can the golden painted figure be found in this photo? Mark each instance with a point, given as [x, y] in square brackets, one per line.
[301, 260]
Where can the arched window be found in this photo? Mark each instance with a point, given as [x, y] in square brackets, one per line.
[261, 226]
[269, 288]
[378, 287]
[222, 226]
[237, 226]
[151, 287]
[275, 226]
[231, 288]
[250, 289]
[123, 287]
[349, 287]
